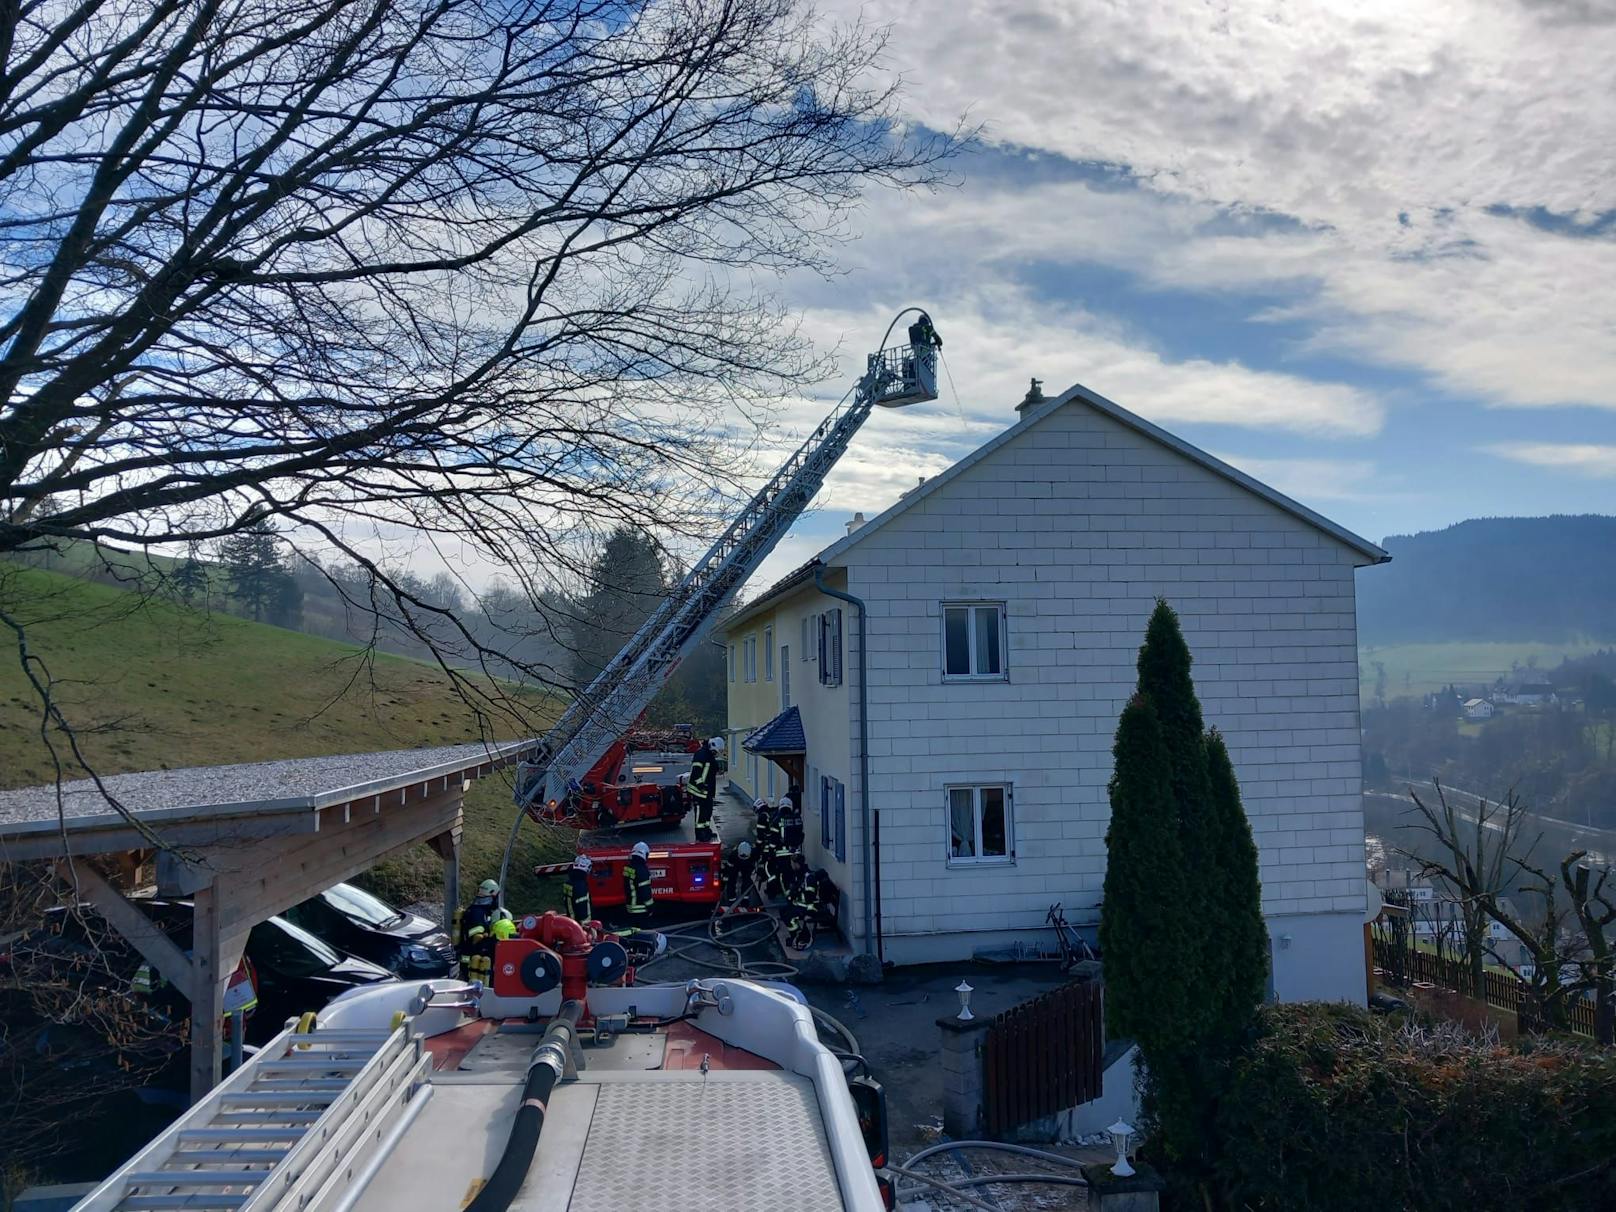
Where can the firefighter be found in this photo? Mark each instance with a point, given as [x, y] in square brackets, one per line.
[704, 785]
[579, 907]
[478, 964]
[923, 335]
[504, 925]
[763, 823]
[736, 873]
[803, 914]
[637, 884]
[481, 910]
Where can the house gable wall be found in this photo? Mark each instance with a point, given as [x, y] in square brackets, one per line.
[1078, 525]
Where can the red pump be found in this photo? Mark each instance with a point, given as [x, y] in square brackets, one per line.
[552, 949]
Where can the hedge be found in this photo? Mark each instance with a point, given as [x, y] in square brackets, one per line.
[1330, 1109]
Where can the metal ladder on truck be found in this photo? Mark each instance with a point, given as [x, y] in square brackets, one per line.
[293, 1129]
[614, 701]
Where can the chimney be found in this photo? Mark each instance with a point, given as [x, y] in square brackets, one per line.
[1034, 397]
[855, 522]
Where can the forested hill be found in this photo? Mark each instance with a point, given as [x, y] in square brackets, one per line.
[1546, 579]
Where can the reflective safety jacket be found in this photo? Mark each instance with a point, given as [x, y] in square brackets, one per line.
[704, 773]
[637, 885]
[578, 903]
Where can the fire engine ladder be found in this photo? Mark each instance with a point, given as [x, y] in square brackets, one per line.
[617, 697]
[293, 1129]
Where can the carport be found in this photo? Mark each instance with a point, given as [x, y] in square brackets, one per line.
[243, 843]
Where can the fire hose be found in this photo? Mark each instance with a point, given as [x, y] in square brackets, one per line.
[548, 1063]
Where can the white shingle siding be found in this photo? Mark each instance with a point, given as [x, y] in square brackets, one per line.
[1078, 527]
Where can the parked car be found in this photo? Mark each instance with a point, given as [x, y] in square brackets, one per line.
[365, 925]
[293, 970]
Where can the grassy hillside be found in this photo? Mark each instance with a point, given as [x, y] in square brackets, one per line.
[152, 685]
[1416, 669]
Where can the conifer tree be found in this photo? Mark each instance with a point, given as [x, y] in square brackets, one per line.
[1148, 984]
[1244, 946]
[1164, 679]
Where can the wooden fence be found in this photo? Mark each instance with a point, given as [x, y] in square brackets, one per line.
[1499, 990]
[1043, 1056]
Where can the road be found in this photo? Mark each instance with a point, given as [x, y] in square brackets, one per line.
[1562, 836]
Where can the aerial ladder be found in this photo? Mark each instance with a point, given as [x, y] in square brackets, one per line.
[612, 704]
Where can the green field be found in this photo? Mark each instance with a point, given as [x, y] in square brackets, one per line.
[152, 685]
[1416, 669]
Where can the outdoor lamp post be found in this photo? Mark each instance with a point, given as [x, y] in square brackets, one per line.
[964, 992]
[1120, 1132]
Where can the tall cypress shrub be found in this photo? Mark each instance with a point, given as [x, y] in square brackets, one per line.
[1148, 990]
[1244, 947]
[1164, 679]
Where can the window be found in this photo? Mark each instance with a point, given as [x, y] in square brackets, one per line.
[732, 662]
[979, 825]
[803, 642]
[785, 676]
[749, 658]
[810, 638]
[830, 648]
[973, 641]
[768, 654]
[826, 820]
[841, 823]
[752, 773]
[771, 780]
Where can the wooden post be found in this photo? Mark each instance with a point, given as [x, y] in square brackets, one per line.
[207, 1001]
[447, 848]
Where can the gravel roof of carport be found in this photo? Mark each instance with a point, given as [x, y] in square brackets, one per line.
[289, 784]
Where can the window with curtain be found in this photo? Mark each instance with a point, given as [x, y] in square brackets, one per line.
[979, 824]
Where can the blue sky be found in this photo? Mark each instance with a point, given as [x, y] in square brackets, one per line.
[1364, 251]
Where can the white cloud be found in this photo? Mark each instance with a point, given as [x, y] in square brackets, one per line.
[1387, 133]
[1309, 480]
[1582, 458]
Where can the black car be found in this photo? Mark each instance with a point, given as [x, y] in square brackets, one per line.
[294, 970]
[355, 921]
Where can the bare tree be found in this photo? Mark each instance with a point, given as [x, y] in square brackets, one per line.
[1593, 901]
[1471, 862]
[1482, 861]
[477, 270]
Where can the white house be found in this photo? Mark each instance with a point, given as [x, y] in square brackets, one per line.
[1478, 709]
[1002, 605]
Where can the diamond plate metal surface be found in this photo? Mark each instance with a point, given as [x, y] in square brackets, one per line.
[737, 1145]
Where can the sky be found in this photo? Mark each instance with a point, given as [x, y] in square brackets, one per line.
[1364, 251]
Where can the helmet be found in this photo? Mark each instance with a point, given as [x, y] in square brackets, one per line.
[744, 850]
[641, 850]
[759, 804]
[504, 915]
[784, 803]
[488, 888]
[581, 863]
[717, 744]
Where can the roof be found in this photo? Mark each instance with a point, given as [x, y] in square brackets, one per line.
[291, 785]
[1477, 703]
[1078, 394]
[782, 734]
[797, 576]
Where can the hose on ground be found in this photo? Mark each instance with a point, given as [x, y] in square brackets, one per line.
[987, 1180]
[952, 1186]
[720, 935]
[997, 1145]
[939, 1184]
